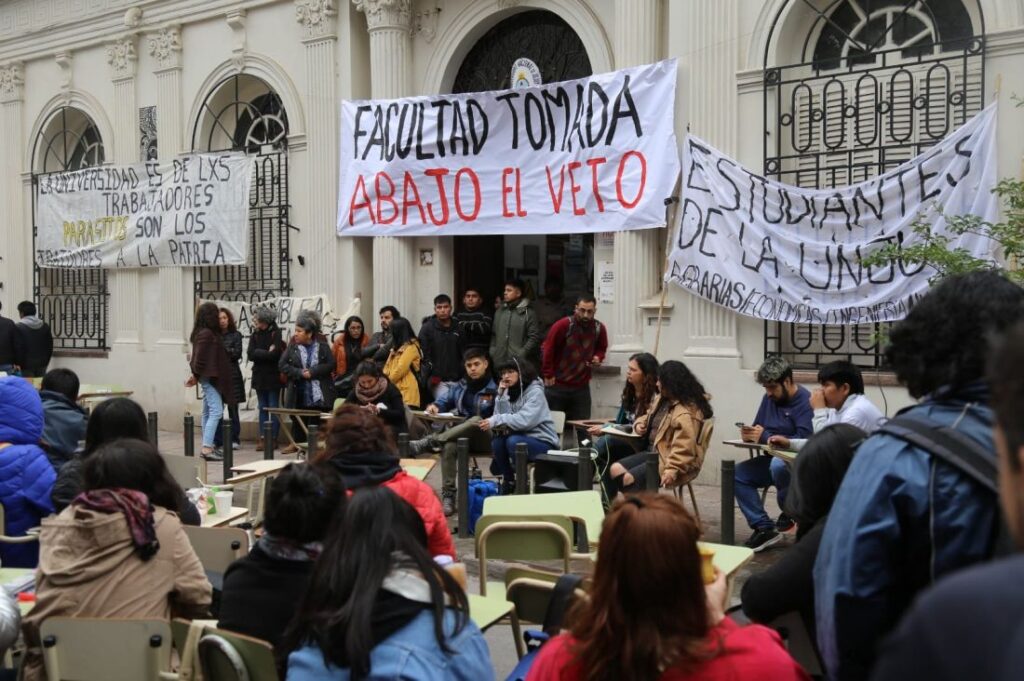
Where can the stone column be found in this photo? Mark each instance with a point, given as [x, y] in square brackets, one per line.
[165, 48]
[125, 288]
[638, 266]
[390, 25]
[318, 21]
[16, 254]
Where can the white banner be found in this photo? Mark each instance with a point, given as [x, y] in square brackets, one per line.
[777, 252]
[188, 212]
[591, 155]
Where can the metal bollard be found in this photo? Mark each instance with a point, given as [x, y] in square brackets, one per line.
[268, 441]
[728, 487]
[153, 429]
[190, 435]
[651, 471]
[403, 445]
[462, 485]
[522, 459]
[228, 447]
[313, 442]
[586, 475]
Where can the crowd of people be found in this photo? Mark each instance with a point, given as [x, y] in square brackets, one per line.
[897, 568]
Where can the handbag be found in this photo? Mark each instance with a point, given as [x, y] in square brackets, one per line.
[561, 596]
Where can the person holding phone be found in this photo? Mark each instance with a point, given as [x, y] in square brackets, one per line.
[785, 410]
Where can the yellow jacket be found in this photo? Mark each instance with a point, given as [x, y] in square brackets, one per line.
[676, 441]
[400, 368]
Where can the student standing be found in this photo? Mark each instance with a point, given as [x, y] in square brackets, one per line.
[442, 346]
[573, 346]
[211, 370]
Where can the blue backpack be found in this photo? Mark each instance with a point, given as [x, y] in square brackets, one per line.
[478, 491]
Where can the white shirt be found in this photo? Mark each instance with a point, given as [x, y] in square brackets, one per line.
[857, 410]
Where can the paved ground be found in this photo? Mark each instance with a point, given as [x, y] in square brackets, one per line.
[499, 638]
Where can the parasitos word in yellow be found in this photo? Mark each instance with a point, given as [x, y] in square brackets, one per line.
[90, 232]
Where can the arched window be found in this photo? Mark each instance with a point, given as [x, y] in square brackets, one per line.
[877, 83]
[244, 113]
[72, 301]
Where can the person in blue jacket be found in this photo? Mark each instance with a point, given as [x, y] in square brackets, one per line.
[378, 607]
[785, 410]
[903, 518]
[26, 476]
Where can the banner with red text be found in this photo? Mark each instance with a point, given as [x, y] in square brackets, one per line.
[597, 154]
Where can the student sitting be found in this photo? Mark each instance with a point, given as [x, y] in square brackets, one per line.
[373, 392]
[114, 419]
[650, 615]
[378, 607]
[26, 476]
[359, 445]
[472, 397]
[116, 551]
[674, 423]
[521, 415]
[403, 361]
[63, 420]
[788, 584]
[262, 591]
[840, 399]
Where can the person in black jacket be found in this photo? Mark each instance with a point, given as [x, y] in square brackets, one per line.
[12, 346]
[788, 585]
[263, 590]
[442, 347]
[308, 364]
[232, 340]
[265, 349]
[474, 321]
[37, 341]
[374, 392]
[64, 421]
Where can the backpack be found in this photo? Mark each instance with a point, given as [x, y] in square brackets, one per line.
[478, 491]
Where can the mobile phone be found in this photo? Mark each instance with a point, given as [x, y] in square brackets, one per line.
[740, 424]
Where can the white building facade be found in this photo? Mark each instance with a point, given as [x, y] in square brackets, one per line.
[817, 93]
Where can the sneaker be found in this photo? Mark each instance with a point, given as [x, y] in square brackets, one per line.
[214, 455]
[508, 486]
[418, 447]
[784, 523]
[448, 503]
[762, 539]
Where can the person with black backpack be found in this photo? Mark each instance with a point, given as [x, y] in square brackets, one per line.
[573, 346]
[970, 625]
[915, 504]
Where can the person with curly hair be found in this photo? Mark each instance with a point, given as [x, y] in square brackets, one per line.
[904, 517]
[649, 615]
[211, 370]
[674, 423]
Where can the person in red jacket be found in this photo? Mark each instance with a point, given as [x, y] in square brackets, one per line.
[650, 615]
[360, 445]
[573, 345]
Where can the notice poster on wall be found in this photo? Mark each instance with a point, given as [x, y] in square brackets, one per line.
[597, 154]
[786, 254]
[191, 211]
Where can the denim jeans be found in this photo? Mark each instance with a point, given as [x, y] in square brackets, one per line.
[213, 411]
[504, 449]
[268, 399]
[761, 471]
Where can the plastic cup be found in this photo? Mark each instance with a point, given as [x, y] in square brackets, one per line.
[223, 502]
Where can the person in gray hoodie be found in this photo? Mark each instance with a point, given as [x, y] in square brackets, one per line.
[37, 341]
[516, 331]
[521, 414]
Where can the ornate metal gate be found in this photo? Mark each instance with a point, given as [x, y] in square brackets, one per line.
[72, 301]
[244, 113]
[881, 81]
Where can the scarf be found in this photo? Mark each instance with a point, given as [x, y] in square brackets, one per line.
[137, 511]
[373, 394]
[367, 468]
[308, 355]
[282, 548]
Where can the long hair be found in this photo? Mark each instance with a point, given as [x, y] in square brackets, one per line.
[819, 471]
[401, 332]
[133, 464]
[231, 320]
[638, 401]
[647, 609]
[348, 322]
[116, 418]
[376, 532]
[207, 317]
[353, 430]
[679, 383]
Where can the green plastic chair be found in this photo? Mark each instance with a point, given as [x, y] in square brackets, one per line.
[516, 538]
[227, 656]
[106, 649]
[529, 590]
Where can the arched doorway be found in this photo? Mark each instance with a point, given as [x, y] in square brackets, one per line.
[243, 113]
[72, 301]
[482, 262]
